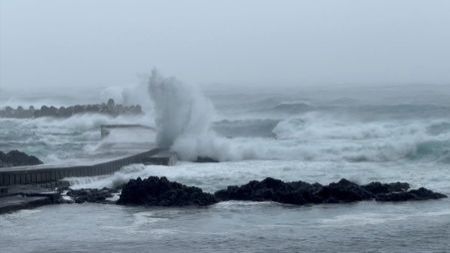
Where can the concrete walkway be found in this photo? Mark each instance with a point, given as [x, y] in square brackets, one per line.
[31, 186]
[41, 174]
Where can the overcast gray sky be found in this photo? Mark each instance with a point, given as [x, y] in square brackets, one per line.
[108, 43]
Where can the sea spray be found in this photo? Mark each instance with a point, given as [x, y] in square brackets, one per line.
[129, 95]
[183, 117]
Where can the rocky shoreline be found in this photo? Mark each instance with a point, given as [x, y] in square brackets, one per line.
[159, 191]
[155, 191]
[344, 191]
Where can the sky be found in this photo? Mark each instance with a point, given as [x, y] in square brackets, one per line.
[62, 44]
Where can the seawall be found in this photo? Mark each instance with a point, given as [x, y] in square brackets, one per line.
[44, 174]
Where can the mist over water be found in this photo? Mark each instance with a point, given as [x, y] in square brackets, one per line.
[295, 127]
[184, 117]
[319, 135]
[296, 90]
[181, 110]
[310, 125]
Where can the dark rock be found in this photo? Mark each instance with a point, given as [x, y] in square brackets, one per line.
[17, 158]
[271, 189]
[91, 195]
[155, 191]
[419, 194]
[62, 186]
[377, 187]
[344, 191]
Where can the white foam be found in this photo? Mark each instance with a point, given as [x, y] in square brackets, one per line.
[184, 115]
[183, 118]
[362, 219]
[214, 176]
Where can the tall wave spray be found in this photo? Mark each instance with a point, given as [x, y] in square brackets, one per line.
[183, 118]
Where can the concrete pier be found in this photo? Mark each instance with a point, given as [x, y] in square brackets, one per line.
[18, 202]
[32, 186]
[47, 174]
[105, 129]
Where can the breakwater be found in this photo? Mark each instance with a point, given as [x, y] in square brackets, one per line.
[44, 174]
[105, 129]
[110, 108]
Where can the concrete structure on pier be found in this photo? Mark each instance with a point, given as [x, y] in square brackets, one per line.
[106, 129]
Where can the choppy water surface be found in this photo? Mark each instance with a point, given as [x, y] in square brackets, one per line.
[292, 137]
[242, 226]
[230, 227]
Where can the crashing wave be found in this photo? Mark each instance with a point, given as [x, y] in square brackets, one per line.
[184, 122]
[183, 118]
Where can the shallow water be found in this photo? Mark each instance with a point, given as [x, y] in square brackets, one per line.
[230, 226]
[242, 226]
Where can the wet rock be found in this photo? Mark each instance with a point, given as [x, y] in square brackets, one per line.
[91, 195]
[378, 188]
[17, 158]
[419, 194]
[344, 191]
[155, 191]
[271, 189]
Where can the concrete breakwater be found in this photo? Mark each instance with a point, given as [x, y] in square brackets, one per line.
[32, 186]
[106, 129]
[44, 174]
[18, 197]
[110, 108]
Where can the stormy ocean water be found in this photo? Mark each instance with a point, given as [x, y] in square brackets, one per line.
[364, 134]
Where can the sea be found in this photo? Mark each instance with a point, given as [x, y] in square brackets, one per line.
[363, 133]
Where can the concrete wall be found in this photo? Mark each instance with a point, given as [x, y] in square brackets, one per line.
[47, 175]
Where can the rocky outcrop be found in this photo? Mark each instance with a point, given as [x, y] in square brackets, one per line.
[379, 188]
[17, 158]
[270, 189]
[344, 191]
[155, 191]
[419, 194]
[91, 195]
